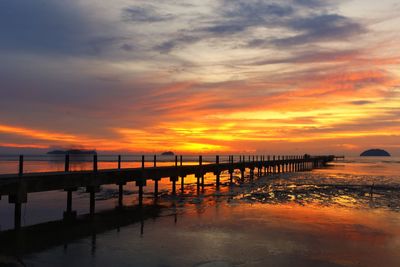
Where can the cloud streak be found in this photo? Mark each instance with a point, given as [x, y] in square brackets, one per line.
[224, 75]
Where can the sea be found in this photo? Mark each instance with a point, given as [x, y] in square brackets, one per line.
[344, 214]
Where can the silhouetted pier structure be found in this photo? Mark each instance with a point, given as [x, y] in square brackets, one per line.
[18, 186]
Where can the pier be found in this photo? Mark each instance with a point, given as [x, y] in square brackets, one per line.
[18, 186]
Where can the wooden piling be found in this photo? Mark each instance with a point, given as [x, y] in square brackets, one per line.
[156, 188]
[66, 164]
[92, 202]
[17, 215]
[21, 165]
[95, 163]
[141, 194]
[217, 174]
[182, 184]
[120, 194]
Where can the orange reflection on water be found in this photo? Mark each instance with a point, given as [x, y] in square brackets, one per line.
[342, 236]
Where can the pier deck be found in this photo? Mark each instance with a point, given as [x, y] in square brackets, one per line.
[18, 186]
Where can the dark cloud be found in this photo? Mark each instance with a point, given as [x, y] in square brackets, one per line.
[238, 16]
[98, 44]
[42, 26]
[326, 27]
[146, 14]
[127, 47]
[170, 45]
[308, 21]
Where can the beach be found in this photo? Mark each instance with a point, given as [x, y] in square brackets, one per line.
[346, 214]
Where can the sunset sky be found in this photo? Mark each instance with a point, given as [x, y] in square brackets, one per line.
[210, 76]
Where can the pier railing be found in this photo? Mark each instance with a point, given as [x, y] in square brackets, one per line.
[18, 186]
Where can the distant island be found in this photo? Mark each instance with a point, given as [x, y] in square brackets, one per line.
[375, 153]
[72, 152]
[167, 153]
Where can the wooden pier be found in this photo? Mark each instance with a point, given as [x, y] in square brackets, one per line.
[18, 186]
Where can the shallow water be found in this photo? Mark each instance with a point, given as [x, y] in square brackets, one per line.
[343, 215]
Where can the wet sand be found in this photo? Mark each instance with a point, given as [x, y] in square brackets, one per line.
[233, 234]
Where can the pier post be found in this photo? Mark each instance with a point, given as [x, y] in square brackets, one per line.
[217, 173]
[92, 194]
[198, 176]
[17, 199]
[285, 163]
[291, 164]
[21, 165]
[231, 170]
[156, 188]
[273, 164]
[143, 161]
[95, 163]
[119, 162]
[174, 179]
[21, 195]
[69, 214]
[182, 184]
[140, 194]
[66, 164]
[92, 201]
[120, 194]
[173, 185]
[17, 215]
[155, 180]
[182, 177]
[279, 164]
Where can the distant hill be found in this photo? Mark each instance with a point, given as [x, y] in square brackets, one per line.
[167, 153]
[375, 153]
[72, 152]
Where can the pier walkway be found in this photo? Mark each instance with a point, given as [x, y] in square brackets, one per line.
[18, 186]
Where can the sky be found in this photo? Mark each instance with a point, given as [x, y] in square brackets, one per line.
[210, 76]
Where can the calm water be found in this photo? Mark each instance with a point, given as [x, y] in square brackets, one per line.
[343, 215]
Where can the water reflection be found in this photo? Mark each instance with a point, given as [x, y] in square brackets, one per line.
[213, 228]
[319, 218]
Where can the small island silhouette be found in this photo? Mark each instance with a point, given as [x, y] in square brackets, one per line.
[375, 153]
[72, 152]
[167, 153]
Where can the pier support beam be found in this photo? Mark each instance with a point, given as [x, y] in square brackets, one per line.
[69, 214]
[121, 194]
[17, 199]
[252, 173]
[182, 184]
[92, 194]
[217, 173]
[140, 183]
[173, 180]
[156, 188]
